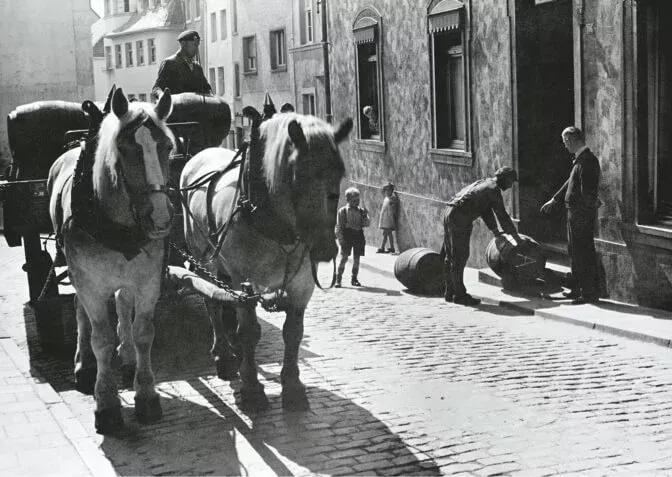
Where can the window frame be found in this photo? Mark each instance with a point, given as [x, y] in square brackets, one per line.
[234, 24]
[109, 60]
[151, 51]
[118, 56]
[458, 152]
[247, 68]
[212, 78]
[221, 80]
[236, 79]
[128, 50]
[213, 27]
[366, 18]
[223, 30]
[309, 94]
[278, 50]
[140, 52]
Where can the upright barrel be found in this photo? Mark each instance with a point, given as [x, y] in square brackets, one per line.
[420, 270]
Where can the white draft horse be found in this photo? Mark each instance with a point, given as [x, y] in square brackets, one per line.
[271, 247]
[130, 175]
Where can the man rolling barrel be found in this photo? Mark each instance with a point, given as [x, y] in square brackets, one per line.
[482, 199]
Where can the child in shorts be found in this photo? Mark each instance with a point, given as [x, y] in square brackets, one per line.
[350, 222]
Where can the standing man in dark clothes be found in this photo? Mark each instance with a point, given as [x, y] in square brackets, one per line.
[482, 199]
[579, 195]
[180, 72]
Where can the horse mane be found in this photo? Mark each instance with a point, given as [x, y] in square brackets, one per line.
[107, 153]
[278, 150]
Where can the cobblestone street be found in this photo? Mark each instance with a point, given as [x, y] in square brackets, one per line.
[398, 385]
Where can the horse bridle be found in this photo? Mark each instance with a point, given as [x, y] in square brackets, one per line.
[139, 196]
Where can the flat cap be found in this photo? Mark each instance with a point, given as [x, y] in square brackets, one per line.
[188, 35]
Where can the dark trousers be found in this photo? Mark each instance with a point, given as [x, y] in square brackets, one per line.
[456, 248]
[581, 247]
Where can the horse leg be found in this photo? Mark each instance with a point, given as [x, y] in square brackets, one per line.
[125, 309]
[108, 405]
[85, 361]
[293, 391]
[224, 324]
[252, 393]
[147, 405]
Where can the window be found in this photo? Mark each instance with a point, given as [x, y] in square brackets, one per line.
[213, 27]
[108, 57]
[220, 79]
[129, 54]
[249, 54]
[222, 24]
[234, 27]
[142, 97]
[449, 75]
[236, 79]
[117, 56]
[278, 52]
[309, 104]
[127, 5]
[309, 25]
[140, 52]
[654, 100]
[132, 98]
[123, 6]
[366, 33]
[318, 4]
[211, 76]
[108, 8]
[197, 9]
[151, 50]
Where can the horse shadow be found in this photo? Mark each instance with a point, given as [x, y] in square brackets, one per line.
[203, 431]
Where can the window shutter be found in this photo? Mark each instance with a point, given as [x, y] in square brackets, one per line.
[445, 16]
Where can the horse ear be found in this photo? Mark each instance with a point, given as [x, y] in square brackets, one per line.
[119, 103]
[108, 101]
[296, 134]
[165, 105]
[343, 130]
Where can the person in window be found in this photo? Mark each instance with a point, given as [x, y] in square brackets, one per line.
[372, 117]
[579, 195]
[482, 199]
[180, 72]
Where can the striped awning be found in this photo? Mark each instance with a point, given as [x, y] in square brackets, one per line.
[365, 30]
[446, 15]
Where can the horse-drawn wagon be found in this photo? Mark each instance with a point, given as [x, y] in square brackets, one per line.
[38, 134]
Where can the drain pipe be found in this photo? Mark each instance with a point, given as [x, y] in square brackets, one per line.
[325, 56]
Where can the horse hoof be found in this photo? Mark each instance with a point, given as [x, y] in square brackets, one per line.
[85, 380]
[127, 375]
[253, 399]
[295, 400]
[227, 369]
[109, 421]
[148, 410]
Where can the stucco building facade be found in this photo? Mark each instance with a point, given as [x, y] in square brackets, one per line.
[461, 88]
[44, 56]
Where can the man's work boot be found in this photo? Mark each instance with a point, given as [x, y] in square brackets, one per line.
[338, 282]
[466, 300]
[448, 293]
[355, 283]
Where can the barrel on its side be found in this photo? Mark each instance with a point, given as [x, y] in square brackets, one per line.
[519, 263]
[420, 270]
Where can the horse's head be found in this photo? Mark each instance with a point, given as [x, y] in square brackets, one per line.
[310, 173]
[134, 145]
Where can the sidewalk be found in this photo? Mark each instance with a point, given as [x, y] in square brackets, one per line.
[38, 433]
[640, 323]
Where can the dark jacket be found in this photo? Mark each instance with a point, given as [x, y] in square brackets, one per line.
[175, 74]
[482, 199]
[580, 190]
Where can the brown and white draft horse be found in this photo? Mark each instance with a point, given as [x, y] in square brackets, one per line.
[273, 246]
[130, 173]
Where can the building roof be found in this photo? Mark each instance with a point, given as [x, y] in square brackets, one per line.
[159, 17]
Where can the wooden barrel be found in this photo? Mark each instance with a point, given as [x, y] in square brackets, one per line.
[521, 263]
[36, 131]
[212, 112]
[420, 270]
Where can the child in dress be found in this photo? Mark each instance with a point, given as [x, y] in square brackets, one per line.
[350, 221]
[389, 214]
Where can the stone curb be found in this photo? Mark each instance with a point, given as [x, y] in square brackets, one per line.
[376, 264]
